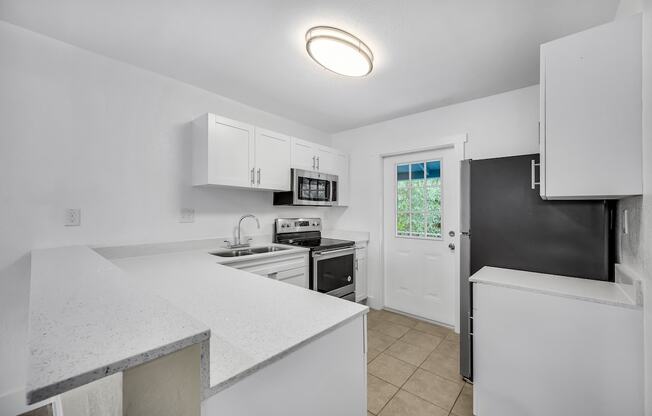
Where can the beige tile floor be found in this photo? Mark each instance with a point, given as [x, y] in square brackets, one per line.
[413, 368]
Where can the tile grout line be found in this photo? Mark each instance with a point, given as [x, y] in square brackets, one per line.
[400, 388]
[456, 399]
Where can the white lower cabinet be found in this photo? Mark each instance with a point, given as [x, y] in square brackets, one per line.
[325, 377]
[290, 268]
[538, 354]
[360, 272]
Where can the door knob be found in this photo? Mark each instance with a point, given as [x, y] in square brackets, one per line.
[451, 246]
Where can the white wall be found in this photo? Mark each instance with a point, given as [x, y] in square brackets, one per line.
[500, 125]
[647, 197]
[635, 249]
[83, 131]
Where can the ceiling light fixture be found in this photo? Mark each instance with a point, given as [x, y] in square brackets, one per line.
[339, 51]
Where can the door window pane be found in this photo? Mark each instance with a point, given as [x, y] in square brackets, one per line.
[403, 200]
[403, 224]
[403, 173]
[418, 225]
[419, 199]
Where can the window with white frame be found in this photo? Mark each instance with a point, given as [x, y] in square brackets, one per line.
[418, 199]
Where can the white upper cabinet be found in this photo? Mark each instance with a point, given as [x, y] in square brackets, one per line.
[328, 159]
[304, 154]
[314, 157]
[272, 160]
[590, 113]
[341, 169]
[235, 154]
[222, 152]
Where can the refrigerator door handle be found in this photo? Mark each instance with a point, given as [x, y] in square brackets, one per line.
[533, 173]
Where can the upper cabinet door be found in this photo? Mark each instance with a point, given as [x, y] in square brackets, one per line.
[328, 160]
[591, 140]
[273, 160]
[342, 172]
[223, 152]
[304, 154]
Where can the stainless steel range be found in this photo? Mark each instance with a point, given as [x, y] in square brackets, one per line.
[332, 262]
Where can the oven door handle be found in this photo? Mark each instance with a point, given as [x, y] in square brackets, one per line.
[350, 250]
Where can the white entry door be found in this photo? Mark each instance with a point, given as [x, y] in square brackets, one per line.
[421, 198]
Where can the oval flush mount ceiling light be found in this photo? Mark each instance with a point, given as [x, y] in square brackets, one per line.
[339, 51]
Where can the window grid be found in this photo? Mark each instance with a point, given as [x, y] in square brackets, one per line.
[418, 200]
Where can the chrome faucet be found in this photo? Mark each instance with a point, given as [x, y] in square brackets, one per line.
[237, 243]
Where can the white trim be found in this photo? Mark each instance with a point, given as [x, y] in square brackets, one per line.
[458, 142]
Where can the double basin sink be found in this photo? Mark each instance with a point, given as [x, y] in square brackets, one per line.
[248, 251]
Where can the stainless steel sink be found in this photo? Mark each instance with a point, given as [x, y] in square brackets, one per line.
[248, 251]
[268, 249]
[233, 253]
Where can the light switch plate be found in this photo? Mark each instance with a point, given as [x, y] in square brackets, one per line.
[187, 215]
[73, 217]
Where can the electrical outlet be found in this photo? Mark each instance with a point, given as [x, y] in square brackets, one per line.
[73, 217]
[187, 215]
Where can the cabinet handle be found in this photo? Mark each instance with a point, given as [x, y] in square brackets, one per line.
[317, 162]
[258, 176]
[313, 162]
[533, 173]
[539, 131]
[252, 177]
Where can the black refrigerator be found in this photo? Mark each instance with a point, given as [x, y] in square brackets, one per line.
[505, 223]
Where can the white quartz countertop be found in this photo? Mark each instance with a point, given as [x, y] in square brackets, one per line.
[87, 320]
[569, 287]
[360, 237]
[253, 320]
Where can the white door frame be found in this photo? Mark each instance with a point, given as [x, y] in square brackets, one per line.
[457, 142]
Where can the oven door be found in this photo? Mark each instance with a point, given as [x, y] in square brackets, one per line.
[334, 272]
[314, 188]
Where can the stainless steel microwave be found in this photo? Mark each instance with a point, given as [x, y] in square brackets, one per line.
[309, 188]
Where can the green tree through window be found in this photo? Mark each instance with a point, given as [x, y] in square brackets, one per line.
[418, 199]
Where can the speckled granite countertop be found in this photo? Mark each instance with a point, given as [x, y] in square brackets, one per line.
[254, 320]
[99, 311]
[569, 287]
[87, 321]
[360, 237]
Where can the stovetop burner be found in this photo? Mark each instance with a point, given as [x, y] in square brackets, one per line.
[318, 243]
[306, 232]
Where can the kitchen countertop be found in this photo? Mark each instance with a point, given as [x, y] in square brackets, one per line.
[254, 320]
[87, 321]
[360, 237]
[569, 287]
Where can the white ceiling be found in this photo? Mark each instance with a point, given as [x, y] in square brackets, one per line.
[428, 53]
